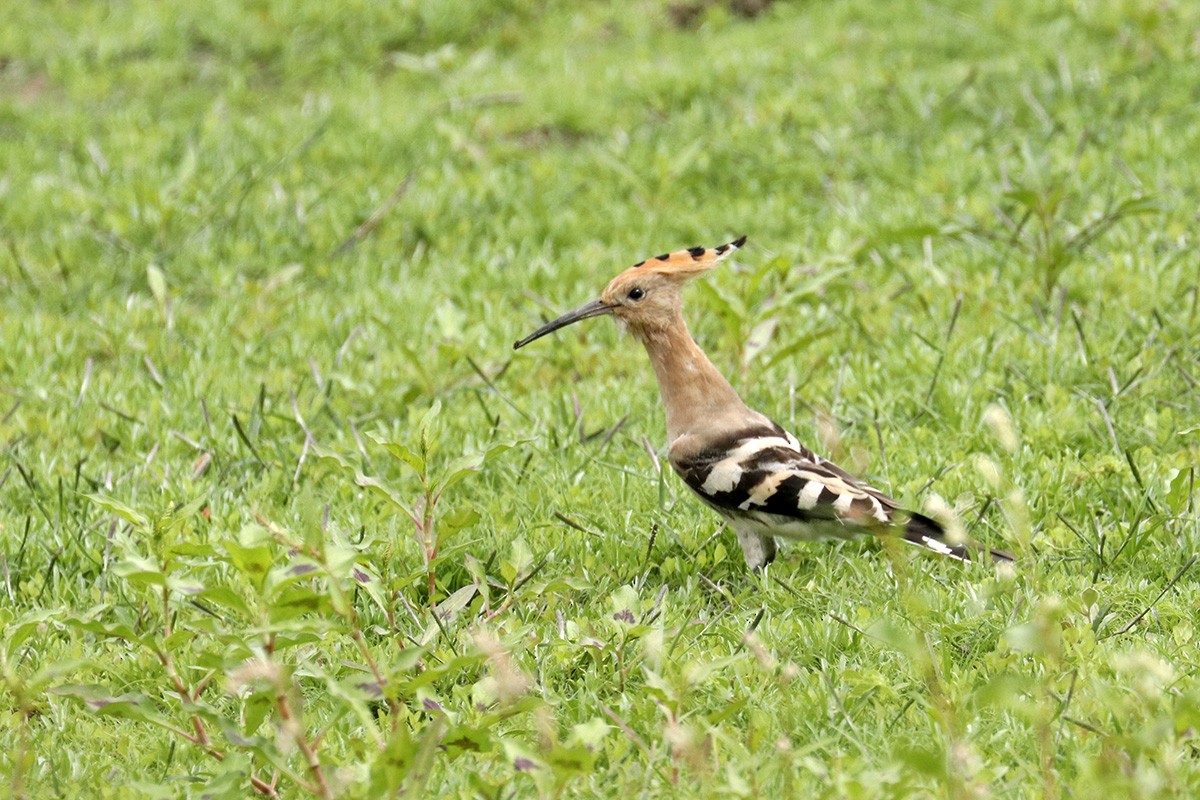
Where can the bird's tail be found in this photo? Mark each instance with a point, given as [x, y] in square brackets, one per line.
[926, 532]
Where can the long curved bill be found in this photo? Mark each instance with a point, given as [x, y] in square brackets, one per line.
[595, 308]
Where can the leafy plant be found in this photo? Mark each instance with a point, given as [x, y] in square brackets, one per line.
[1036, 223]
[233, 628]
[431, 528]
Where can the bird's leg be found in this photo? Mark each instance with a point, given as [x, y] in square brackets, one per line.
[758, 549]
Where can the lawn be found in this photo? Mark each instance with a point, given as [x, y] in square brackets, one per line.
[283, 514]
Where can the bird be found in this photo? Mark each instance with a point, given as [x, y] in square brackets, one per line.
[736, 460]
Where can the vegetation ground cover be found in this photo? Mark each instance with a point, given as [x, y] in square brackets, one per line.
[281, 513]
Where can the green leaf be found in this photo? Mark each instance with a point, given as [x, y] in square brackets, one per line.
[325, 454]
[174, 519]
[562, 583]
[500, 449]
[254, 535]
[624, 600]
[924, 760]
[369, 582]
[340, 556]
[464, 466]
[732, 708]
[26, 625]
[226, 598]
[897, 636]
[378, 487]
[571, 759]
[252, 561]
[194, 549]
[458, 469]
[383, 490]
[456, 521]
[151, 790]
[697, 672]
[254, 710]
[100, 702]
[140, 571]
[759, 338]
[158, 285]
[449, 608]
[1008, 690]
[1187, 712]
[428, 443]
[468, 738]
[390, 767]
[229, 779]
[134, 518]
[184, 585]
[118, 630]
[1179, 489]
[1026, 198]
[406, 760]
[400, 451]
[435, 672]
[358, 690]
[591, 733]
[295, 601]
[1027, 637]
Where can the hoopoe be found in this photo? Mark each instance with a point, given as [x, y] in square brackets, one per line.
[741, 464]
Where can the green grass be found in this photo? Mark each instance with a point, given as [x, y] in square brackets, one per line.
[972, 276]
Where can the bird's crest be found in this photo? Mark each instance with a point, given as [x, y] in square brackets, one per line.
[691, 261]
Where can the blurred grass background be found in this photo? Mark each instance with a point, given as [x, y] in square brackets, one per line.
[219, 218]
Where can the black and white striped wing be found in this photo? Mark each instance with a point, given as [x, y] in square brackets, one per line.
[763, 475]
[767, 470]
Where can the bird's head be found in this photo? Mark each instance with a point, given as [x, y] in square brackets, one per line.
[646, 297]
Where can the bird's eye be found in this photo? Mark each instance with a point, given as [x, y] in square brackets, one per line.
[636, 293]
